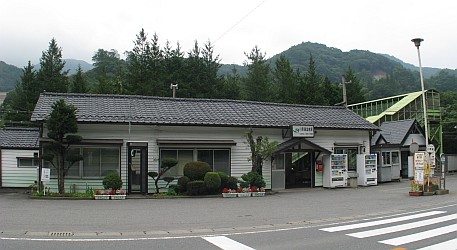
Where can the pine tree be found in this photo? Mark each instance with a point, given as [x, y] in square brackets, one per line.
[20, 102]
[257, 83]
[354, 91]
[79, 84]
[286, 82]
[51, 76]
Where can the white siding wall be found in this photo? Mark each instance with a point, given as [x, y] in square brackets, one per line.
[12, 176]
[240, 153]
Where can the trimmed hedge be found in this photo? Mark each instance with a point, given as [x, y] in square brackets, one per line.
[196, 188]
[182, 184]
[112, 181]
[196, 170]
[224, 179]
[212, 182]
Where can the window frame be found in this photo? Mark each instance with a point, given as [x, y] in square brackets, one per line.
[80, 164]
[195, 155]
[33, 159]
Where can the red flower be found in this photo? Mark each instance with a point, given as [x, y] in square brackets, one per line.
[239, 190]
[225, 190]
[254, 189]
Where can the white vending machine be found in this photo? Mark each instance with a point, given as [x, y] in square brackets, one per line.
[335, 170]
[367, 168]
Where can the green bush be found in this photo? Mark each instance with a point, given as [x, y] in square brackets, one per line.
[196, 188]
[112, 181]
[196, 170]
[224, 179]
[254, 179]
[232, 183]
[212, 182]
[182, 184]
[172, 190]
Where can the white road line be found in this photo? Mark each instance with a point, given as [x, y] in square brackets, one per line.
[420, 236]
[447, 245]
[402, 227]
[226, 243]
[380, 222]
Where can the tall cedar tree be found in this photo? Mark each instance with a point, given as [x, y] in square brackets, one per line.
[257, 81]
[285, 81]
[354, 90]
[51, 76]
[21, 101]
[62, 126]
[79, 84]
[310, 91]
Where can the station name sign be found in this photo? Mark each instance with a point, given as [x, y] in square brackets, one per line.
[302, 131]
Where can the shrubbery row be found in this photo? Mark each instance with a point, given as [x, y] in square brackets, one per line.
[199, 179]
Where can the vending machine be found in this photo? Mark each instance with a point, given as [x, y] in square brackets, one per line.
[335, 170]
[367, 169]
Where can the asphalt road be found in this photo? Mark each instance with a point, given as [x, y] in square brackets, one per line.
[290, 219]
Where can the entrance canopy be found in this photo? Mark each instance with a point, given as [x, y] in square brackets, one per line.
[302, 143]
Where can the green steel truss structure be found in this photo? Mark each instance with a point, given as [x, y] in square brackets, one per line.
[406, 106]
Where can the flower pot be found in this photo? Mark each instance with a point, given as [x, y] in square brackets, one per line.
[118, 197]
[415, 193]
[244, 194]
[229, 195]
[258, 194]
[101, 197]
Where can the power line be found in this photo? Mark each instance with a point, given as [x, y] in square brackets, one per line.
[239, 21]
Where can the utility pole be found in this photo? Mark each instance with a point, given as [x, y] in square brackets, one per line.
[345, 100]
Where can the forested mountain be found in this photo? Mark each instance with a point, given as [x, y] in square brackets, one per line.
[9, 74]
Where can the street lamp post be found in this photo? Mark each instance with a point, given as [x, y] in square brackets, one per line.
[417, 43]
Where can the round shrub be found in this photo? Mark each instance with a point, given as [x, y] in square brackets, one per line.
[196, 170]
[182, 184]
[196, 188]
[112, 181]
[232, 183]
[224, 179]
[254, 179]
[212, 182]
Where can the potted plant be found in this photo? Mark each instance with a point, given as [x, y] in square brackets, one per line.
[117, 195]
[101, 195]
[243, 192]
[229, 193]
[416, 188]
[257, 192]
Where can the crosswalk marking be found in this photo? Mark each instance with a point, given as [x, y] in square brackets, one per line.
[447, 245]
[380, 222]
[226, 243]
[420, 236]
[402, 227]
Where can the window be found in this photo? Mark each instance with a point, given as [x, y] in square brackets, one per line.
[96, 163]
[218, 159]
[352, 156]
[27, 162]
[395, 157]
[385, 158]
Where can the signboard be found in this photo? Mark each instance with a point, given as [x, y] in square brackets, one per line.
[420, 159]
[419, 176]
[430, 148]
[432, 159]
[45, 174]
[302, 131]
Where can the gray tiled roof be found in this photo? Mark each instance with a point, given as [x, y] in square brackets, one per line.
[98, 108]
[19, 138]
[394, 132]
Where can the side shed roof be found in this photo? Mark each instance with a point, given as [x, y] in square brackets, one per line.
[20, 138]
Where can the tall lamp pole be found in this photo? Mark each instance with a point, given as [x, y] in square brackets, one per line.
[417, 43]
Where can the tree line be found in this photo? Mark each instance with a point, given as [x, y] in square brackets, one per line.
[149, 69]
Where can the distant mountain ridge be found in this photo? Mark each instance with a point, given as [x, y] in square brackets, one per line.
[330, 62]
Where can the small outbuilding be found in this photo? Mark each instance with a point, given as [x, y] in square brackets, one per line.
[18, 157]
[392, 143]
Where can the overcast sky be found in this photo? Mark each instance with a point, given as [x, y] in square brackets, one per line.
[233, 26]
